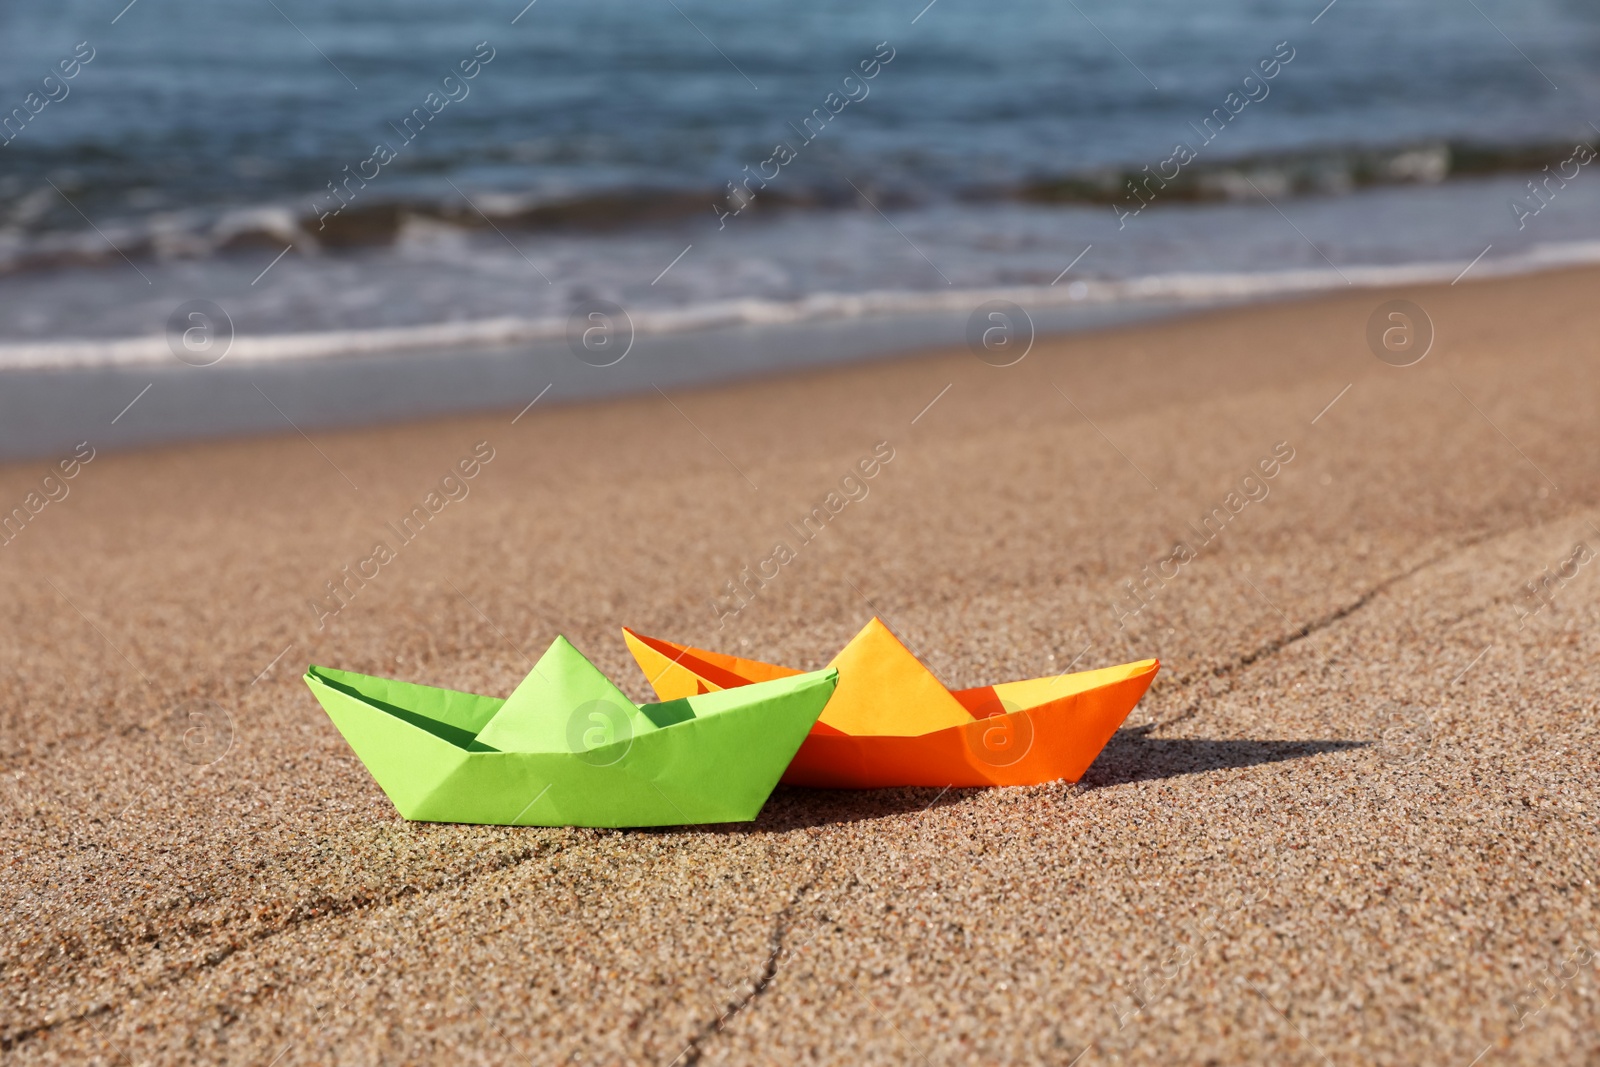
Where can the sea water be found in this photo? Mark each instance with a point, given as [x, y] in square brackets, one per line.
[442, 185]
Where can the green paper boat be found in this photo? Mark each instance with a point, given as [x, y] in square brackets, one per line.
[567, 748]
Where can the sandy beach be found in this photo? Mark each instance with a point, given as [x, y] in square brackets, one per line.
[1353, 822]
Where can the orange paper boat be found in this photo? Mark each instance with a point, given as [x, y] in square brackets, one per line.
[890, 722]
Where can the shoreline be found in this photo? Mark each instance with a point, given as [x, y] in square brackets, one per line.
[1086, 303]
[44, 411]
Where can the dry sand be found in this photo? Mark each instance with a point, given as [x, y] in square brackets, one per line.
[1353, 822]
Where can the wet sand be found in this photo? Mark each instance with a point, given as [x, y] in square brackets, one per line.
[1354, 821]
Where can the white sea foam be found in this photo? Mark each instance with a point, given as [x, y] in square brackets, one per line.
[1186, 289]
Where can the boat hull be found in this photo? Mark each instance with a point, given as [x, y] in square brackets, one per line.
[1022, 733]
[1054, 741]
[719, 764]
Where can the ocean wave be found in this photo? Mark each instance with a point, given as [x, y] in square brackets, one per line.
[199, 234]
[1183, 289]
[1302, 172]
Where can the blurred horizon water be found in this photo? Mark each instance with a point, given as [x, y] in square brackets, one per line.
[201, 151]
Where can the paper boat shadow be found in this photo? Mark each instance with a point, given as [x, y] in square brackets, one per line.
[1130, 756]
[797, 807]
